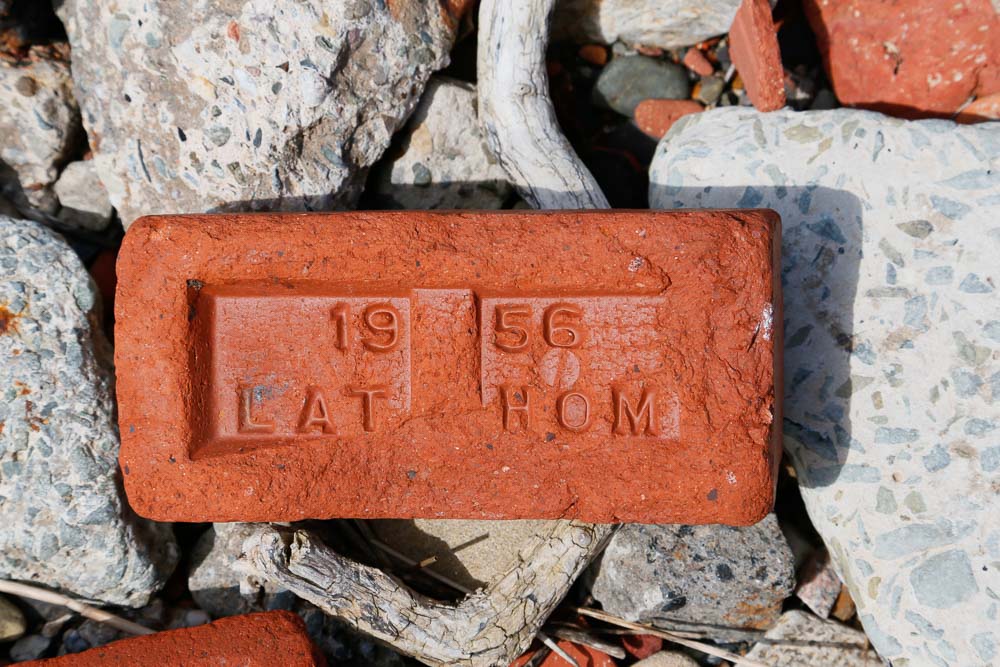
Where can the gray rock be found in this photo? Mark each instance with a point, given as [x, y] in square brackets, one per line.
[470, 553]
[819, 586]
[628, 80]
[444, 163]
[65, 523]
[29, 648]
[891, 230]
[711, 89]
[12, 624]
[214, 582]
[664, 23]
[715, 578]
[83, 199]
[247, 105]
[785, 644]
[39, 121]
[218, 588]
[666, 659]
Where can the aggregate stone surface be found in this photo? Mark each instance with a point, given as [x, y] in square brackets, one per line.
[65, 522]
[247, 104]
[891, 233]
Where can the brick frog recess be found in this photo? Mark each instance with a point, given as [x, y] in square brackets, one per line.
[607, 366]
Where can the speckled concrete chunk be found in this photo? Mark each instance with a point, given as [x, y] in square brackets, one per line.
[444, 162]
[892, 349]
[63, 521]
[247, 104]
[800, 638]
[663, 23]
[688, 577]
[39, 121]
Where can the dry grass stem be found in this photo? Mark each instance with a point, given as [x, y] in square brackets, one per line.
[93, 613]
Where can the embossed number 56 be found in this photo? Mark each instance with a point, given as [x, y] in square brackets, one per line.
[513, 319]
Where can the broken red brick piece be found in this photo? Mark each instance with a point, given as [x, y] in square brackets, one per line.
[753, 47]
[451, 365]
[255, 640]
[584, 656]
[696, 61]
[595, 54]
[655, 117]
[641, 647]
[982, 110]
[909, 59]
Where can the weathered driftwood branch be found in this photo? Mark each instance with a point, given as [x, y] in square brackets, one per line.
[516, 112]
[489, 627]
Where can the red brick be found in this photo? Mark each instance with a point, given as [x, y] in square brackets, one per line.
[584, 656]
[642, 646]
[376, 364]
[982, 110]
[255, 640]
[753, 46]
[595, 54]
[910, 59]
[696, 61]
[655, 117]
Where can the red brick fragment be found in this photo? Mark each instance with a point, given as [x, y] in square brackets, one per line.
[982, 110]
[255, 640]
[655, 117]
[642, 646]
[696, 61]
[753, 47]
[909, 59]
[277, 367]
[595, 54]
[584, 656]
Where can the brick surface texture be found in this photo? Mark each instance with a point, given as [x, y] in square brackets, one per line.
[254, 640]
[606, 366]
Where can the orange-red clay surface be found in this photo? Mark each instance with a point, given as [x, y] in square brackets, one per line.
[254, 640]
[607, 366]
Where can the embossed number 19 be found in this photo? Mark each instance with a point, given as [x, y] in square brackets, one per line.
[380, 318]
[513, 320]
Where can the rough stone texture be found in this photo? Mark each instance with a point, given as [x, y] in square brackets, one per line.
[11, 621]
[470, 553]
[91, 634]
[215, 584]
[39, 120]
[667, 659]
[444, 162]
[910, 59]
[892, 371]
[29, 647]
[82, 197]
[255, 640]
[696, 576]
[663, 23]
[628, 80]
[819, 586]
[59, 501]
[836, 645]
[247, 104]
[753, 46]
[251, 436]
